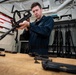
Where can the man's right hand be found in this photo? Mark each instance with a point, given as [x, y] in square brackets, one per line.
[24, 25]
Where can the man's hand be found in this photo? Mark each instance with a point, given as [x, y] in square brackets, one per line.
[24, 25]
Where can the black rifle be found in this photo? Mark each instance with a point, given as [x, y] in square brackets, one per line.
[55, 41]
[58, 42]
[69, 43]
[47, 64]
[16, 24]
[40, 57]
[54, 66]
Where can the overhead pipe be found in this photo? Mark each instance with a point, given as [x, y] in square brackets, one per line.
[59, 8]
[3, 1]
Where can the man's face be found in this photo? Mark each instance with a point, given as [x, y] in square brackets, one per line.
[37, 11]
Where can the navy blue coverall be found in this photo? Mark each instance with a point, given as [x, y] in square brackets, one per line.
[39, 33]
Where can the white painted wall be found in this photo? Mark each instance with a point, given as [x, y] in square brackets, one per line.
[8, 43]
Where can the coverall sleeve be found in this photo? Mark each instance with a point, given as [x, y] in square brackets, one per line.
[44, 29]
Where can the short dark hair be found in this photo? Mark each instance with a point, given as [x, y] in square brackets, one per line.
[35, 4]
